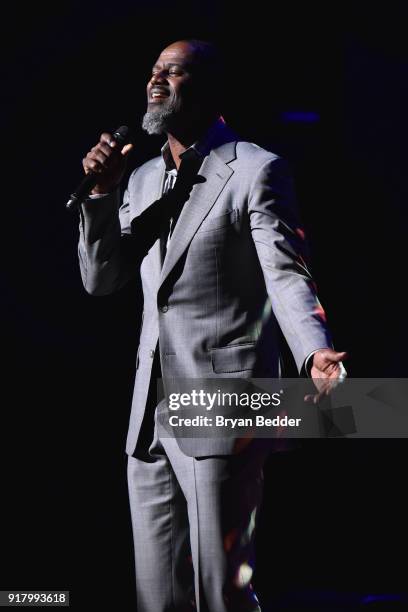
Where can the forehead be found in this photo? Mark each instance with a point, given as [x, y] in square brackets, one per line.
[179, 53]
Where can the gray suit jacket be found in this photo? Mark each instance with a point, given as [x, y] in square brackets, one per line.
[233, 271]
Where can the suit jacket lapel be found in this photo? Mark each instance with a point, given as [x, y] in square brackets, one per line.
[203, 196]
[155, 186]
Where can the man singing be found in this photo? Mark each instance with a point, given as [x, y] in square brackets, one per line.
[212, 228]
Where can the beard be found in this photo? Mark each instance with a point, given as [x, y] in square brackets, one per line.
[159, 120]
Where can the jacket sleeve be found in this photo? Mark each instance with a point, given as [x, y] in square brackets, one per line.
[280, 245]
[107, 254]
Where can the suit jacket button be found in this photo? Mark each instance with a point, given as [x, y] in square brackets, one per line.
[164, 308]
[152, 353]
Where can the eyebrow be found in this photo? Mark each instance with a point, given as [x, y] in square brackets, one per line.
[170, 65]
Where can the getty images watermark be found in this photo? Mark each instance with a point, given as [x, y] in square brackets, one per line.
[276, 408]
[199, 398]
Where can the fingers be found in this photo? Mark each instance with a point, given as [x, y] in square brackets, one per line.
[126, 149]
[92, 165]
[342, 373]
[324, 389]
[325, 384]
[331, 372]
[313, 399]
[327, 363]
[332, 355]
[99, 154]
[337, 371]
[107, 159]
[108, 140]
[339, 356]
[102, 155]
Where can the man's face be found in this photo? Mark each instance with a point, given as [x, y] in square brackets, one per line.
[171, 91]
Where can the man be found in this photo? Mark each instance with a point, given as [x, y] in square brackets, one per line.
[212, 228]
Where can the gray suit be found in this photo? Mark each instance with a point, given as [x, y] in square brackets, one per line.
[235, 250]
[234, 270]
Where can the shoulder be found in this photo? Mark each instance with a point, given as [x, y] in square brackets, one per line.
[253, 156]
[254, 163]
[253, 150]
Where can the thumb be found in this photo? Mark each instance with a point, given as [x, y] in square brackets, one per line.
[338, 356]
[126, 149]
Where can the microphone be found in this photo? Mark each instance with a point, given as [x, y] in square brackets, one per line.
[89, 181]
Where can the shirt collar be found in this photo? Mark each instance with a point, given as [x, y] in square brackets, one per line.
[201, 147]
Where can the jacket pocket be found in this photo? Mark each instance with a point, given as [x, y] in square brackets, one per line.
[235, 358]
[213, 223]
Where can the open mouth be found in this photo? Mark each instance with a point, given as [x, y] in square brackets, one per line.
[157, 94]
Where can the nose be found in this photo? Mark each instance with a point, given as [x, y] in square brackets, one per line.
[157, 77]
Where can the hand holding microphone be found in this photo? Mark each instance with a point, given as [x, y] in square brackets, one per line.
[104, 166]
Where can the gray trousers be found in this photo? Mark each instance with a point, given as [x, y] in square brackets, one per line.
[193, 522]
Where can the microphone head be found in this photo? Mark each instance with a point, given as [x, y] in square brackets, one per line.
[121, 133]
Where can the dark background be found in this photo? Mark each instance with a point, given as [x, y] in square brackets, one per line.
[325, 87]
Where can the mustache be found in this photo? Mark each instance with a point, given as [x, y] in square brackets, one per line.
[159, 89]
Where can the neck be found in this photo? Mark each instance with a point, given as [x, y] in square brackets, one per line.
[181, 139]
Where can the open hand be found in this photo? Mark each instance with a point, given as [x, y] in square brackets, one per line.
[327, 372]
